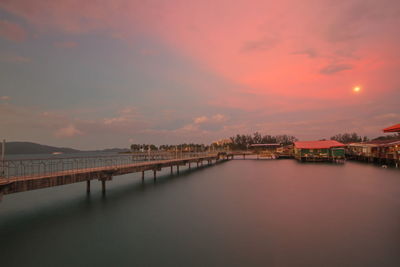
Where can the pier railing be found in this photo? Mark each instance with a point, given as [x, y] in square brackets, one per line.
[47, 166]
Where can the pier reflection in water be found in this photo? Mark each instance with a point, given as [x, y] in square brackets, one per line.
[238, 213]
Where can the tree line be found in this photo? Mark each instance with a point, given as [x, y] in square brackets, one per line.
[181, 147]
[242, 141]
[347, 138]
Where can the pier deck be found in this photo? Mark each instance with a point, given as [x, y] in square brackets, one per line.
[16, 182]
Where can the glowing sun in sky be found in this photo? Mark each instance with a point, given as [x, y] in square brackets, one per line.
[357, 89]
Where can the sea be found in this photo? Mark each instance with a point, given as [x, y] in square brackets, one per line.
[235, 213]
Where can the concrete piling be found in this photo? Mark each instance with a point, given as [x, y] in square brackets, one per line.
[88, 186]
[103, 186]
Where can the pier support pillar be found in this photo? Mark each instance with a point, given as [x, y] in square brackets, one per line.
[88, 186]
[189, 166]
[142, 176]
[172, 170]
[155, 175]
[103, 186]
[1, 195]
[177, 169]
[197, 164]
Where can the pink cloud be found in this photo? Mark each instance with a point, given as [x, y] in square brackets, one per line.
[68, 132]
[13, 58]
[65, 44]
[274, 56]
[206, 124]
[250, 46]
[12, 31]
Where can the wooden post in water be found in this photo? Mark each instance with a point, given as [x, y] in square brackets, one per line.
[88, 186]
[155, 175]
[142, 176]
[3, 151]
[103, 186]
[172, 170]
[177, 169]
[189, 166]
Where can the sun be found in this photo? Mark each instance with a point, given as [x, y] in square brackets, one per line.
[357, 89]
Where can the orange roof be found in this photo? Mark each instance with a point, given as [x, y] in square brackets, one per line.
[392, 129]
[318, 144]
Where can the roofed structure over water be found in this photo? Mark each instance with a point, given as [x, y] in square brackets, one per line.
[266, 146]
[327, 150]
[392, 129]
[379, 151]
[266, 150]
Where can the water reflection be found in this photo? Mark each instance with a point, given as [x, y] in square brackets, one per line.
[239, 213]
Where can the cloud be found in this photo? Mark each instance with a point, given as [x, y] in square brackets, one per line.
[200, 120]
[388, 117]
[12, 58]
[12, 31]
[335, 68]
[125, 116]
[204, 123]
[358, 18]
[65, 44]
[265, 43]
[68, 132]
[338, 35]
[310, 52]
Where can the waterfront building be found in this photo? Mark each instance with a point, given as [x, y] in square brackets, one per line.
[378, 151]
[222, 142]
[266, 150]
[285, 151]
[327, 150]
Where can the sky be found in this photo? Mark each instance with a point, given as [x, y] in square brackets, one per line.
[98, 74]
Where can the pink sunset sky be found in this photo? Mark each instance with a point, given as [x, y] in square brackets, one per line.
[93, 74]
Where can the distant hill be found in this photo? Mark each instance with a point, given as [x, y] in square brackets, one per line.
[109, 150]
[13, 148]
[33, 148]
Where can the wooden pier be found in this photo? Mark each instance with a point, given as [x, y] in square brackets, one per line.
[15, 183]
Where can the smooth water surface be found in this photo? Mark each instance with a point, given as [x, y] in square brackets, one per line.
[237, 213]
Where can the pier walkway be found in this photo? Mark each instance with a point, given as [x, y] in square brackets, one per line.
[30, 174]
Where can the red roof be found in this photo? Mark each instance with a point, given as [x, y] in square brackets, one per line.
[318, 144]
[392, 129]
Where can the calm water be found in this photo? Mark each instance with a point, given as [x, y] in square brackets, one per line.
[237, 213]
